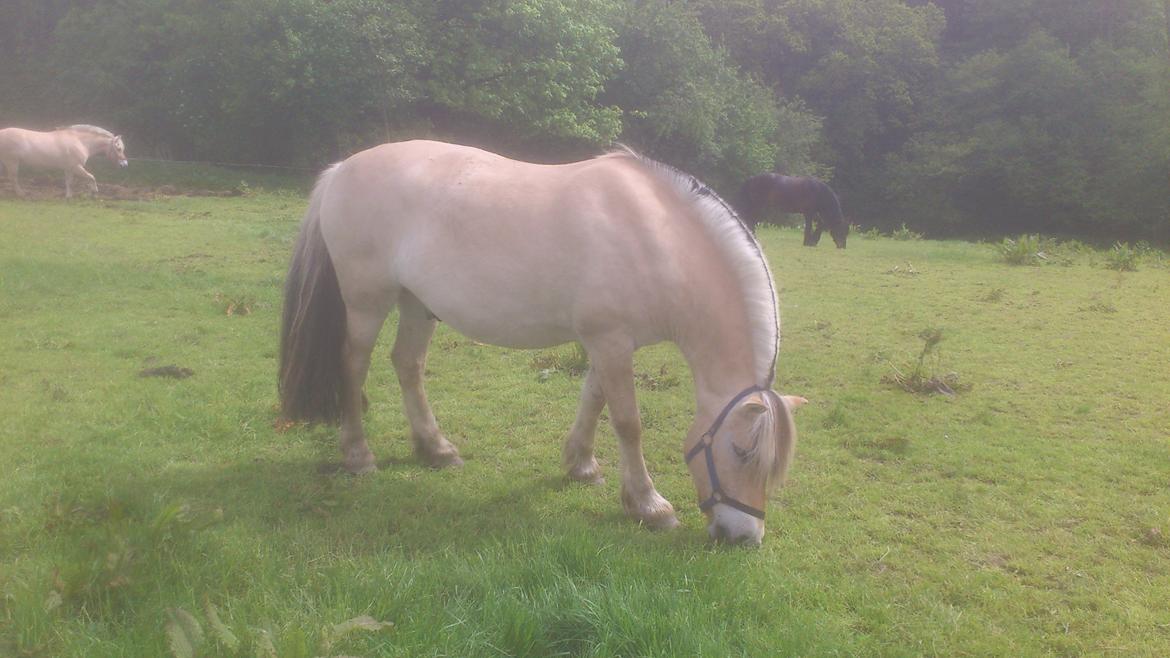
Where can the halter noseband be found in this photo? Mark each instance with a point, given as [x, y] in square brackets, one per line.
[704, 446]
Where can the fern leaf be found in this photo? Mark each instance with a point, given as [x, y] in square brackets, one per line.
[222, 633]
[362, 623]
[184, 634]
[264, 646]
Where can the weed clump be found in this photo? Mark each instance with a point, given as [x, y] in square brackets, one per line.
[904, 233]
[1024, 250]
[1122, 258]
[659, 381]
[574, 363]
[187, 639]
[994, 296]
[924, 378]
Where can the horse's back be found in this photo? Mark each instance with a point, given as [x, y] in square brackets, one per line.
[40, 149]
[791, 194]
[12, 141]
[508, 252]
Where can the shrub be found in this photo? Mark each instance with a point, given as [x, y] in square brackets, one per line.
[904, 233]
[1122, 258]
[1024, 250]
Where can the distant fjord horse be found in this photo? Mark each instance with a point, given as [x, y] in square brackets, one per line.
[796, 194]
[66, 149]
[616, 252]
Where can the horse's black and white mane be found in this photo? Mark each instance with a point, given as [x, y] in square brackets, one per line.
[742, 250]
[86, 128]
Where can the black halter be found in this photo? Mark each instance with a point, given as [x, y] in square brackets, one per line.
[704, 446]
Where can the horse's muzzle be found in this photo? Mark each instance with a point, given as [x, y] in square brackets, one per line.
[123, 163]
[730, 526]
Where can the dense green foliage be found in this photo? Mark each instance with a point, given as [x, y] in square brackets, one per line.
[952, 116]
[1024, 516]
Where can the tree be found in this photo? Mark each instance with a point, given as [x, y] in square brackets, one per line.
[1037, 139]
[687, 104]
[533, 67]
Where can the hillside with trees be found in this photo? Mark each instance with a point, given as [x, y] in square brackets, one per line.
[955, 117]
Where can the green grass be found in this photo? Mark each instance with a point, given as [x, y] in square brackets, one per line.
[1027, 515]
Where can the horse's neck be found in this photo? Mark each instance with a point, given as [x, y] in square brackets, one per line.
[715, 339]
[94, 144]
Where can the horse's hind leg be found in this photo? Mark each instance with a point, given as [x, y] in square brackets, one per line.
[12, 167]
[416, 325]
[362, 329]
[361, 333]
[612, 359]
[578, 451]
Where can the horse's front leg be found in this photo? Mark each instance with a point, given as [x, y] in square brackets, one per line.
[578, 451]
[416, 325]
[612, 358]
[748, 215]
[812, 231]
[93, 188]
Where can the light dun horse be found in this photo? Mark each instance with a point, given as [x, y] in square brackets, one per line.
[66, 149]
[615, 252]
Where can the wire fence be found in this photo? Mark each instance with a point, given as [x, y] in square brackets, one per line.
[240, 165]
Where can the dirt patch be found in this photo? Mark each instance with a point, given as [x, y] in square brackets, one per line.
[171, 372]
[49, 190]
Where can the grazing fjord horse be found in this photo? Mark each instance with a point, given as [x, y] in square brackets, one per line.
[66, 149]
[798, 194]
[616, 252]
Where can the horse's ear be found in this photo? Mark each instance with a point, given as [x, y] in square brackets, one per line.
[794, 401]
[754, 404]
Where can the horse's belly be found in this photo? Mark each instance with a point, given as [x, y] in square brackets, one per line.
[516, 331]
[43, 159]
[513, 318]
[510, 294]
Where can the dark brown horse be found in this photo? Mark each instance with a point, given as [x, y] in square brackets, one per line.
[803, 194]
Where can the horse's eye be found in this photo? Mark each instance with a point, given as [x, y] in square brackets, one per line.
[742, 453]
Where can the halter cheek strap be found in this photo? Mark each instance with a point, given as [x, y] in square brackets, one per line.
[704, 446]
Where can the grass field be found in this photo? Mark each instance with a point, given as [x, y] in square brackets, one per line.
[1029, 514]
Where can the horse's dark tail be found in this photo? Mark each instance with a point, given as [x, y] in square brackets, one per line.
[312, 333]
[831, 213]
[832, 210]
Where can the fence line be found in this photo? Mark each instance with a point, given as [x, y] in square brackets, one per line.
[226, 164]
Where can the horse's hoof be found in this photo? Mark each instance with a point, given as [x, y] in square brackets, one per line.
[589, 473]
[594, 481]
[361, 466]
[657, 513]
[669, 522]
[441, 460]
[437, 452]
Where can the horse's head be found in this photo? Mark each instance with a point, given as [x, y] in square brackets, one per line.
[840, 232]
[740, 460]
[117, 151]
